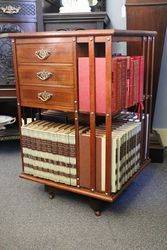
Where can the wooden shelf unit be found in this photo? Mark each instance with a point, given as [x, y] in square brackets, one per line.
[89, 43]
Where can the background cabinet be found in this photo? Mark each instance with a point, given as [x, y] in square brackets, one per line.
[15, 16]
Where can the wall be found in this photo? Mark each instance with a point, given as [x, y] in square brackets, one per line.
[114, 10]
[117, 14]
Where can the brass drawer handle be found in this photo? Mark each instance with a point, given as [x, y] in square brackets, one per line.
[9, 9]
[43, 54]
[44, 96]
[44, 75]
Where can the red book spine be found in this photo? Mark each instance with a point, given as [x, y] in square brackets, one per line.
[141, 80]
[118, 87]
[131, 83]
[128, 82]
[136, 78]
[123, 82]
[114, 85]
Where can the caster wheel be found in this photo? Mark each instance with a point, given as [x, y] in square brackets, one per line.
[51, 196]
[97, 213]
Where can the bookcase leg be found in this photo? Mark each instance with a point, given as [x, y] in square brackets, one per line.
[97, 206]
[50, 191]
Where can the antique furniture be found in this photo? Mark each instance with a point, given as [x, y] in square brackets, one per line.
[150, 15]
[15, 16]
[75, 21]
[55, 21]
[38, 55]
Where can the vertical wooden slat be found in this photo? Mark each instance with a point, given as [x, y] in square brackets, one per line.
[147, 75]
[152, 74]
[92, 80]
[108, 55]
[147, 89]
[152, 41]
[76, 107]
[143, 138]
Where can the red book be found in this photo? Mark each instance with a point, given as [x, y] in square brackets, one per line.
[122, 82]
[128, 82]
[84, 85]
[136, 78]
[141, 80]
[85, 168]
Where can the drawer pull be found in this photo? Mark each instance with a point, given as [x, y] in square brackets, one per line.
[43, 54]
[44, 75]
[44, 96]
[9, 9]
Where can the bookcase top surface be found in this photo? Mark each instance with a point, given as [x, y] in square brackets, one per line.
[106, 32]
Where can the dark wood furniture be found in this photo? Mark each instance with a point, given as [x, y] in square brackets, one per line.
[150, 15]
[75, 21]
[15, 16]
[68, 46]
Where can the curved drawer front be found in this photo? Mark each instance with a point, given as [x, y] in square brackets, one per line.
[47, 97]
[40, 52]
[52, 75]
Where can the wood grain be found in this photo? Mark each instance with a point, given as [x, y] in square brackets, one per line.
[62, 99]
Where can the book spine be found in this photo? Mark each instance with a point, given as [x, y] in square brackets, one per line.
[128, 82]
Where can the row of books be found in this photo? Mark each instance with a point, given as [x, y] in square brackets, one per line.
[127, 83]
[49, 152]
[126, 147]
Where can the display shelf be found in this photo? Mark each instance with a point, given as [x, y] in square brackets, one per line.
[88, 43]
[84, 191]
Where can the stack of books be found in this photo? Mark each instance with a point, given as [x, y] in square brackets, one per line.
[127, 83]
[49, 151]
[125, 152]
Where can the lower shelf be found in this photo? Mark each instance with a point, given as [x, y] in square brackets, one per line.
[9, 134]
[83, 191]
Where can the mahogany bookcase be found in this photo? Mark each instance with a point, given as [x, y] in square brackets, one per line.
[90, 43]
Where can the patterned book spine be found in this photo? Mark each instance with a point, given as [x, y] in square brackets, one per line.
[131, 83]
[119, 81]
[72, 158]
[141, 80]
[128, 82]
[114, 165]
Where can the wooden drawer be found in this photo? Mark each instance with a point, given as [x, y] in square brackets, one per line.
[56, 52]
[60, 99]
[60, 75]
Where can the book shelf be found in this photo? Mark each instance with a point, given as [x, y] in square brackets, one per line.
[70, 46]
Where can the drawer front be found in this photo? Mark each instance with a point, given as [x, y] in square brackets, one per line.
[47, 97]
[45, 53]
[56, 75]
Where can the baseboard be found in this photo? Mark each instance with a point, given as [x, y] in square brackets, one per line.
[163, 134]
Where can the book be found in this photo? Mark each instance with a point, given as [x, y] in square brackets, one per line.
[126, 84]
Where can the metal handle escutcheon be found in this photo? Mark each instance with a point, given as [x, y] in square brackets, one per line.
[9, 9]
[43, 54]
[44, 75]
[44, 96]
